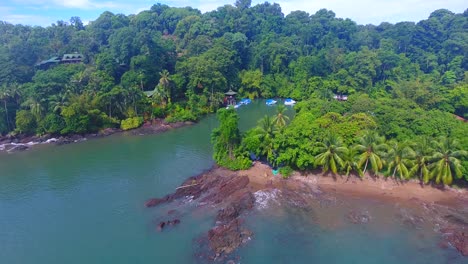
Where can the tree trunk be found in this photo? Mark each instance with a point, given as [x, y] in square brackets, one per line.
[365, 166]
[6, 115]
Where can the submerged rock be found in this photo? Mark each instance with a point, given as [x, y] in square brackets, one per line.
[226, 238]
[358, 217]
[153, 202]
[226, 189]
[458, 238]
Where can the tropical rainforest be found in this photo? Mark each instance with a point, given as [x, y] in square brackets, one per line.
[407, 84]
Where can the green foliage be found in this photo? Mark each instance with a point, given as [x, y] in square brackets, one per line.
[52, 124]
[131, 123]
[226, 140]
[403, 80]
[286, 172]
[25, 122]
[180, 114]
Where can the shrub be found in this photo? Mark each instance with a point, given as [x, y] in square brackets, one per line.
[131, 123]
[25, 122]
[285, 172]
[238, 163]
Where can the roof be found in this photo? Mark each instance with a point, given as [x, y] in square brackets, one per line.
[51, 60]
[230, 92]
[149, 93]
[72, 56]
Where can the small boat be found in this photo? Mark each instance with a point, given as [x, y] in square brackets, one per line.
[245, 101]
[270, 102]
[233, 106]
[289, 101]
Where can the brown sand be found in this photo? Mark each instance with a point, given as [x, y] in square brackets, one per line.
[383, 188]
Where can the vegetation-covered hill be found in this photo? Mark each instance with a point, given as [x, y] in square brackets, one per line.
[190, 59]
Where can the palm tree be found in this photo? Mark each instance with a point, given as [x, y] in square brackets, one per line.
[58, 101]
[266, 131]
[4, 96]
[371, 148]
[280, 118]
[446, 160]
[399, 159]
[350, 162]
[36, 107]
[422, 153]
[332, 152]
[165, 82]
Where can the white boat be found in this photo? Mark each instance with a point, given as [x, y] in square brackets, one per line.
[289, 101]
[270, 102]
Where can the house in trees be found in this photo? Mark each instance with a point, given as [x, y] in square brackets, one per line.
[72, 58]
[341, 97]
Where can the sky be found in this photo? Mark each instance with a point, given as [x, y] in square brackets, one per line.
[46, 12]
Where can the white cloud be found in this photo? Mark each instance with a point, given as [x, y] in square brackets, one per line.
[375, 11]
[32, 20]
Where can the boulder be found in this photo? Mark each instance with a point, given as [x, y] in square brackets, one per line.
[458, 238]
[226, 238]
[161, 226]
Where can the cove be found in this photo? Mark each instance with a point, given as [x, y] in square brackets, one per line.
[84, 203]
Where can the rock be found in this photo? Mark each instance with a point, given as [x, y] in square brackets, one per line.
[457, 219]
[16, 148]
[358, 217]
[161, 226]
[173, 222]
[224, 239]
[172, 212]
[153, 202]
[458, 238]
[244, 201]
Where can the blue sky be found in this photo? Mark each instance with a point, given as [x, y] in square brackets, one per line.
[45, 12]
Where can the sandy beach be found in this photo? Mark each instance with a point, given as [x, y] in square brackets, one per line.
[260, 176]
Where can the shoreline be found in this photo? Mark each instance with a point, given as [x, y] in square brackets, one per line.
[235, 193]
[372, 187]
[23, 143]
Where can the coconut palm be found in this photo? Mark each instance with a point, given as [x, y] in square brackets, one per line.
[350, 162]
[165, 82]
[332, 152]
[371, 148]
[280, 118]
[446, 160]
[266, 131]
[58, 101]
[422, 153]
[5, 96]
[399, 159]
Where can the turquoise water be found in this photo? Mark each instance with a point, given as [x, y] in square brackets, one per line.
[83, 203]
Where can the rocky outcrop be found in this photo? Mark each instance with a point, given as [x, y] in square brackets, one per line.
[457, 237]
[221, 188]
[226, 238]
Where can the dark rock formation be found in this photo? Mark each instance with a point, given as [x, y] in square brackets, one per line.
[458, 238]
[226, 238]
[153, 202]
[161, 226]
[231, 193]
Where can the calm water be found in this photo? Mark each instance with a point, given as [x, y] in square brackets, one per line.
[83, 203]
